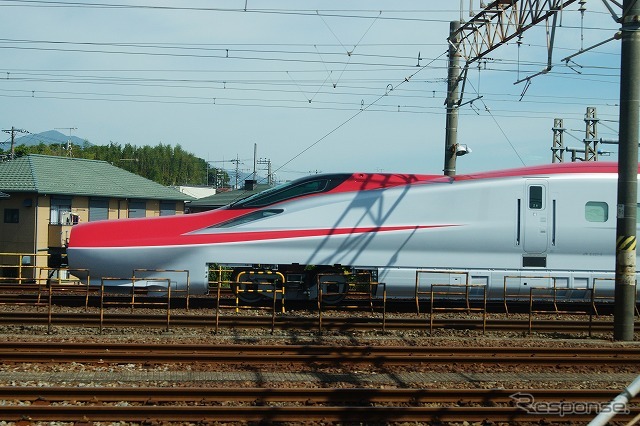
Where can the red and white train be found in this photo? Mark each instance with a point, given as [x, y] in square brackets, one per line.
[508, 230]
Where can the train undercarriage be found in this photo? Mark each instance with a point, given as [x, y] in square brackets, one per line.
[252, 284]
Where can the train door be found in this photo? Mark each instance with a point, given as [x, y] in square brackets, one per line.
[535, 217]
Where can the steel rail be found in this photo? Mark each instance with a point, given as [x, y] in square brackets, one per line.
[334, 359]
[307, 413]
[298, 323]
[46, 352]
[136, 349]
[203, 395]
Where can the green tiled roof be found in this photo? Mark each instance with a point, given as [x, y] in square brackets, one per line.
[76, 176]
[227, 197]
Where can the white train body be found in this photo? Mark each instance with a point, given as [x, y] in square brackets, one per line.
[520, 228]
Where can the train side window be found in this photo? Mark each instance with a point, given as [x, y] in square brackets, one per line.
[535, 197]
[596, 211]
[249, 217]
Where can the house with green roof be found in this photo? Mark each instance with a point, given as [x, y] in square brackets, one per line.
[47, 195]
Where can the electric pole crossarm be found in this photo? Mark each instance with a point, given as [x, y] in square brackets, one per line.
[13, 132]
[501, 21]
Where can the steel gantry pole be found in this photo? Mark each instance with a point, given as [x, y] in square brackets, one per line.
[453, 78]
[625, 287]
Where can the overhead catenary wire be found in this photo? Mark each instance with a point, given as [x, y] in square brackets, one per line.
[253, 93]
[497, 123]
[175, 50]
[365, 108]
[334, 13]
[203, 100]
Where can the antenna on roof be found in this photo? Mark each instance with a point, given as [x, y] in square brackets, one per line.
[68, 147]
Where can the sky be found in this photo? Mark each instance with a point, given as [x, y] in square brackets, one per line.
[309, 86]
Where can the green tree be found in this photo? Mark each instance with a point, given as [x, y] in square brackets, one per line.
[162, 163]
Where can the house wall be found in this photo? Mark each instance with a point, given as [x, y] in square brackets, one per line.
[153, 208]
[119, 208]
[34, 235]
[18, 237]
[80, 207]
[43, 207]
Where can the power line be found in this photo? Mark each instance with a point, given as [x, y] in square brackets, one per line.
[225, 51]
[301, 12]
[495, 97]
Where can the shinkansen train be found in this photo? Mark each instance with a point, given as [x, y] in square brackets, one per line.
[503, 231]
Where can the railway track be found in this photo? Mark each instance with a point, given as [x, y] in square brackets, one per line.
[47, 352]
[283, 322]
[230, 404]
[342, 396]
[151, 404]
[378, 414]
[308, 404]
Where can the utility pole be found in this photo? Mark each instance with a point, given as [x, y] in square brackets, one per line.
[268, 163]
[13, 132]
[237, 163]
[255, 159]
[625, 287]
[453, 78]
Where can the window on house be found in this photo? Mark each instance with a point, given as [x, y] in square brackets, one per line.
[60, 211]
[167, 208]
[11, 216]
[98, 209]
[137, 208]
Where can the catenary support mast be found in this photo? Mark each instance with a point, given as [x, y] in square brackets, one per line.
[451, 136]
[496, 24]
[625, 287]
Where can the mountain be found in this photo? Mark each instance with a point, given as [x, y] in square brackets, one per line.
[49, 137]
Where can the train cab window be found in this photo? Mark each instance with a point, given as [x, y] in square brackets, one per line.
[535, 197]
[596, 211]
[289, 190]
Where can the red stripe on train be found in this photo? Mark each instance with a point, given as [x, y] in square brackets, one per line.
[236, 237]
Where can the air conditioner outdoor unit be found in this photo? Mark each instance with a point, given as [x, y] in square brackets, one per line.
[65, 218]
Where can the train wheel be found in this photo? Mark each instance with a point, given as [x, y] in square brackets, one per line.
[244, 282]
[334, 286]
